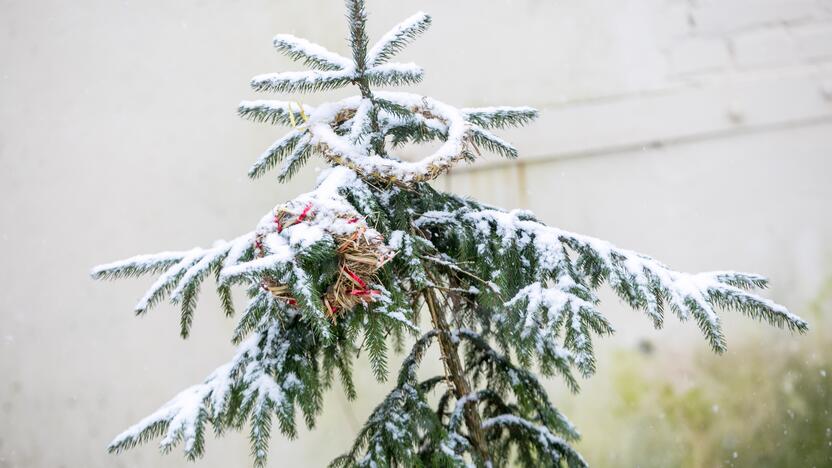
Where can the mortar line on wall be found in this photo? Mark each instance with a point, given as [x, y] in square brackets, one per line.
[622, 149]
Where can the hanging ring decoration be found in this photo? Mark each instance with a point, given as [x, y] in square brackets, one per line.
[339, 132]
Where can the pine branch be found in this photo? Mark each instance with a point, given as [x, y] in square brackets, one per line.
[183, 418]
[375, 341]
[397, 38]
[183, 274]
[547, 310]
[274, 112]
[138, 265]
[302, 82]
[273, 372]
[395, 74]
[187, 289]
[309, 53]
[402, 423]
[276, 152]
[485, 139]
[166, 282]
[532, 410]
[552, 450]
[357, 21]
[500, 117]
[393, 109]
[361, 127]
[296, 159]
[260, 307]
[224, 293]
[504, 377]
[642, 282]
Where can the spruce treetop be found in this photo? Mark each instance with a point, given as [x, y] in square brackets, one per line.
[357, 262]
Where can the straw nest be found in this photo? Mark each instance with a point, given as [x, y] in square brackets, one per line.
[360, 255]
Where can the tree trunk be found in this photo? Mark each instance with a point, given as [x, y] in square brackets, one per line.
[457, 376]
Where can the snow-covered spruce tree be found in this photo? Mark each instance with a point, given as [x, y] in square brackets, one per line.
[353, 263]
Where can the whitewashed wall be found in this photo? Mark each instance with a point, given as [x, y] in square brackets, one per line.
[696, 131]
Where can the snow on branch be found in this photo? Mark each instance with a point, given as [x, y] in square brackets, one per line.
[277, 152]
[274, 112]
[390, 74]
[540, 312]
[402, 424]
[182, 273]
[523, 384]
[361, 126]
[186, 291]
[340, 151]
[397, 38]
[500, 117]
[647, 284]
[139, 265]
[334, 70]
[295, 160]
[310, 53]
[562, 285]
[455, 445]
[392, 431]
[358, 40]
[266, 375]
[493, 143]
[550, 446]
[512, 394]
[302, 82]
[183, 418]
[342, 131]
[252, 269]
[395, 74]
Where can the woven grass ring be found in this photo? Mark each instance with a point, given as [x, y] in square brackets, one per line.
[340, 133]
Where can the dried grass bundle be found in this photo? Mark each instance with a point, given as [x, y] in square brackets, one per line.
[360, 255]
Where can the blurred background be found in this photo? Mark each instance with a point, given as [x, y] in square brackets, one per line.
[696, 131]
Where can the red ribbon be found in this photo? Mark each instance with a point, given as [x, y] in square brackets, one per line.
[305, 212]
[365, 292]
[356, 278]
